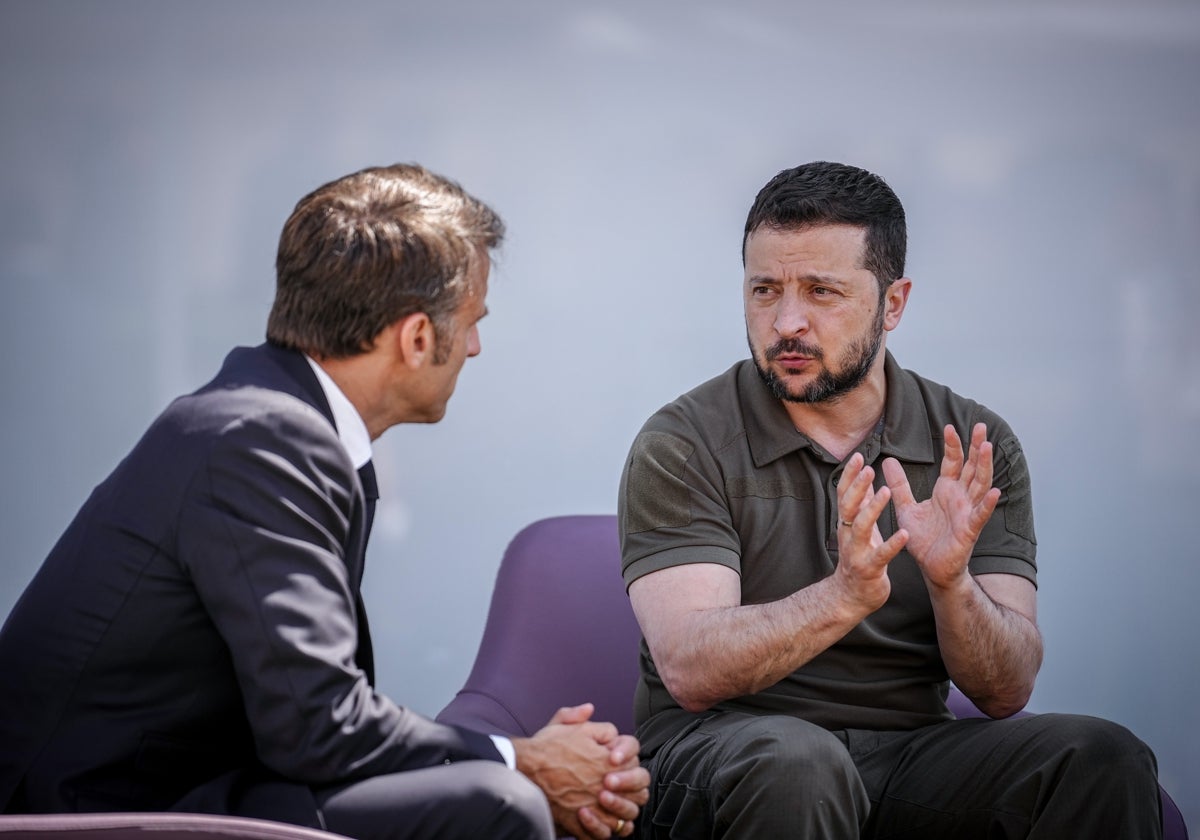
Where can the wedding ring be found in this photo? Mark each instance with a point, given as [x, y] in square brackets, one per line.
[620, 825]
[847, 522]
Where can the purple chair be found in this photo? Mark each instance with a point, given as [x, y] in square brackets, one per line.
[560, 631]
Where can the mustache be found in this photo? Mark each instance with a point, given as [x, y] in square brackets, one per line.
[794, 346]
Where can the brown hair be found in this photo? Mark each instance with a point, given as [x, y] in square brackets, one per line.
[366, 250]
[823, 193]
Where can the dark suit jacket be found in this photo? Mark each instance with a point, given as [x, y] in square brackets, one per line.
[193, 640]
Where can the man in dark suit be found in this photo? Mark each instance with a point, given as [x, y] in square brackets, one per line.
[196, 640]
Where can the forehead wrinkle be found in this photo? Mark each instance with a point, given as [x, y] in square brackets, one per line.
[793, 235]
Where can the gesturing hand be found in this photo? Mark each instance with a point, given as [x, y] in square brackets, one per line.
[588, 771]
[943, 528]
[863, 555]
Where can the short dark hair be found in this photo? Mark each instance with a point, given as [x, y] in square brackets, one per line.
[366, 250]
[823, 193]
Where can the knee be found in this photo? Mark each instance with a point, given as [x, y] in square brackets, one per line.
[791, 778]
[517, 807]
[742, 775]
[793, 759]
[1101, 745]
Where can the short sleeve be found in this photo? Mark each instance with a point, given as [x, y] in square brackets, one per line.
[671, 506]
[1008, 544]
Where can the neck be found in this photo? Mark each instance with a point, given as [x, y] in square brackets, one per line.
[841, 424]
[356, 378]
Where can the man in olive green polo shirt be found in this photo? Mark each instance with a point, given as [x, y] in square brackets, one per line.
[815, 542]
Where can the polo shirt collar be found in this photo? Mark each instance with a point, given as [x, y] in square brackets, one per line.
[906, 432]
[770, 433]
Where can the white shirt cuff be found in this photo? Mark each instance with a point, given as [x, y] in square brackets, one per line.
[506, 750]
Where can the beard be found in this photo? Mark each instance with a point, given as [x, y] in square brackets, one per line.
[832, 382]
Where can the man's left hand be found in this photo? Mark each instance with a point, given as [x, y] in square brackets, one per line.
[943, 529]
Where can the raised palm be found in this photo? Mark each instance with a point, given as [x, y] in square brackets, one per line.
[942, 529]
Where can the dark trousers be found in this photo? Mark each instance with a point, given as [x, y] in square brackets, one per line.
[462, 801]
[1042, 777]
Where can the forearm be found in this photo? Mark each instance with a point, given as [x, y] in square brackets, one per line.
[723, 652]
[708, 646]
[992, 652]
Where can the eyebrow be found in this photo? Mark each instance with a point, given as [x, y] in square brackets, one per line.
[822, 279]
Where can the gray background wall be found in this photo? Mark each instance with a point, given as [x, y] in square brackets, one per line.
[1048, 154]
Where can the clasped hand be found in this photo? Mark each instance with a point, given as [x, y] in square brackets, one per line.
[588, 771]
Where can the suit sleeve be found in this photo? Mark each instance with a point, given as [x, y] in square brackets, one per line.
[263, 534]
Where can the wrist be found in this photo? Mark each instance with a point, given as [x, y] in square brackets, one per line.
[960, 584]
[852, 598]
[526, 759]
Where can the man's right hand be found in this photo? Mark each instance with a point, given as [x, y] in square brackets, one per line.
[588, 771]
[863, 554]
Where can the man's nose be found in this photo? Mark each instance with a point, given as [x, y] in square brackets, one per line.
[791, 316]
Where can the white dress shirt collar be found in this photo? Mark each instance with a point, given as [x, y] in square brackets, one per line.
[351, 429]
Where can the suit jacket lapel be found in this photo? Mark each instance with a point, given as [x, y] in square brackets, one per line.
[364, 656]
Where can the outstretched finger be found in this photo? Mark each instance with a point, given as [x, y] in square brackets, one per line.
[893, 545]
[852, 488]
[983, 511]
[952, 453]
[984, 459]
[875, 505]
[897, 482]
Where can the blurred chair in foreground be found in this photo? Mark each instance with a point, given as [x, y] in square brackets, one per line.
[157, 826]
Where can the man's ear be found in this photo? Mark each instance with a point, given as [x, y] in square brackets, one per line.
[414, 339]
[894, 301]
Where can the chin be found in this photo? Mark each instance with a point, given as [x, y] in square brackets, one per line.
[426, 414]
[795, 383]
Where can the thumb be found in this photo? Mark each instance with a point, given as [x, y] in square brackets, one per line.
[573, 714]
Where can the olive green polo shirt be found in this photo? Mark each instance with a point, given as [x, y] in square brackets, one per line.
[721, 475]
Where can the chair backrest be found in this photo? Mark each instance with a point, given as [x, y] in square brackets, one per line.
[559, 631]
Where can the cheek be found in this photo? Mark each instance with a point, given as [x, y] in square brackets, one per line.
[759, 337]
[759, 318]
[761, 327]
